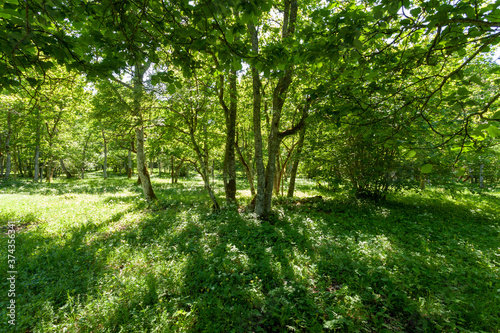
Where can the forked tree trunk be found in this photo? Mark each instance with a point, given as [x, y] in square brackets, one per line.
[64, 169]
[295, 166]
[142, 170]
[248, 169]
[257, 102]
[265, 180]
[203, 170]
[206, 180]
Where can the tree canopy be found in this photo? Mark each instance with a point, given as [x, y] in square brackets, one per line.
[376, 93]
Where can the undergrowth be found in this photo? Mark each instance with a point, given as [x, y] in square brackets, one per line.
[92, 256]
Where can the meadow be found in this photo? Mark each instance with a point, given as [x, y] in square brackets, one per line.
[93, 256]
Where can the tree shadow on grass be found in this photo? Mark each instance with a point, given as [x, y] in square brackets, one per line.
[86, 186]
[416, 268]
[318, 267]
[54, 270]
[238, 274]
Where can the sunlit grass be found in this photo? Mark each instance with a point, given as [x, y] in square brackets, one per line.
[93, 256]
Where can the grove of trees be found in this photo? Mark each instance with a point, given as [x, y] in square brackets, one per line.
[378, 95]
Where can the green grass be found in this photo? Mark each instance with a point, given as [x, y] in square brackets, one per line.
[92, 256]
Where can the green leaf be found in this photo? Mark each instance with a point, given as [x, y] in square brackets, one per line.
[236, 64]
[476, 79]
[378, 15]
[457, 107]
[496, 115]
[494, 70]
[493, 131]
[229, 36]
[462, 91]
[393, 7]
[171, 88]
[357, 44]
[5, 15]
[460, 172]
[415, 11]
[426, 168]
[411, 153]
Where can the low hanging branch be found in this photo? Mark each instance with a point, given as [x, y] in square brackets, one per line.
[297, 127]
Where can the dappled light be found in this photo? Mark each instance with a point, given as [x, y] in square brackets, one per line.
[411, 263]
[249, 166]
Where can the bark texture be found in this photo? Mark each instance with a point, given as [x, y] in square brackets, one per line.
[257, 102]
[229, 154]
[142, 170]
[105, 163]
[37, 149]
[129, 161]
[295, 165]
[279, 97]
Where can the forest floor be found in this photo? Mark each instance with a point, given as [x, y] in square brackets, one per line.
[92, 256]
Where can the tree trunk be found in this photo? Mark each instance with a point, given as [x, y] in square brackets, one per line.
[277, 175]
[248, 169]
[159, 166]
[63, 167]
[147, 188]
[279, 96]
[295, 166]
[257, 129]
[129, 161]
[37, 150]
[229, 155]
[172, 174]
[8, 161]
[49, 172]
[203, 170]
[105, 164]
[19, 168]
[265, 180]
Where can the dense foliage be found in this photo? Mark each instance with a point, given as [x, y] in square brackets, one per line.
[384, 94]
[363, 98]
